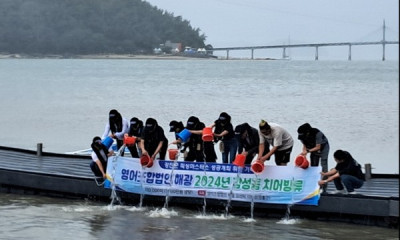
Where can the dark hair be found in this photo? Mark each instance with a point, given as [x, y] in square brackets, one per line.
[192, 122]
[151, 125]
[115, 120]
[95, 139]
[175, 125]
[240, 129]
[306, 127]
[135, 125]
[342, 155]
[224, 117]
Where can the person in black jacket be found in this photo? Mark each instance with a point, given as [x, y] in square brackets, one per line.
[315, 143]
[153, 140]
[224, 131]
[347, 172]
[135, 130]
[248, 141]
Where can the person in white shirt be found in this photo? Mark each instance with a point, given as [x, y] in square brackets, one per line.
[116, 128]
[279, 139]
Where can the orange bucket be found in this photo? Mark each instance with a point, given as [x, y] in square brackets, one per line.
[305, 164]
[146, 161]
[208, 135]
[301, 161]
[129, 141]
[239, 160]
[257, 167]
[173, 153]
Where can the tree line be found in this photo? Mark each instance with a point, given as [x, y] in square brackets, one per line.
[70, 27]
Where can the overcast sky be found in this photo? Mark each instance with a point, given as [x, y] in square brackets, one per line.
[233, 23]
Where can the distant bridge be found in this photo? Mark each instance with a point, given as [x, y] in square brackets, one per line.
[383, 42]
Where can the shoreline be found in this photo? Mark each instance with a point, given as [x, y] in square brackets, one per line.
[127, 56]
[104, 56]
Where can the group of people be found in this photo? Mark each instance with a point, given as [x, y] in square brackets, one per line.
[270, 139]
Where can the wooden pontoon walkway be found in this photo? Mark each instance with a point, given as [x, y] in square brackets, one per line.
[62, 175]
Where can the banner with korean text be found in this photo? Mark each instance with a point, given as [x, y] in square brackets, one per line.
[276, 184]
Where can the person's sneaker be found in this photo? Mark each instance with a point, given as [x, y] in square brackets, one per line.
[339, 192]
[353, 192]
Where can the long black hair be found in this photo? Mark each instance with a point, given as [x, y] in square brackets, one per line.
[100, 149]
[115, 120]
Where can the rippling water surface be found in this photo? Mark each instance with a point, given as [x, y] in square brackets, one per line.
[37, 217]
[64, 103]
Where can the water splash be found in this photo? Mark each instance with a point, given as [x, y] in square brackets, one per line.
[287, 214]
[249, 220]
[136, 209]
[252, 199]
[213, 217]
[114, 197]
[228, 204]
[141, 185]
[205, 194]
[162, 213]
[289, 221]
[174, 164]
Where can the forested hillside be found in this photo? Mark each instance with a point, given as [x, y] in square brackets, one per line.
[70, 27]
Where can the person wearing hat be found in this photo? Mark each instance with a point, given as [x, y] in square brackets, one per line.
[153, 140]
[224, 131]
[279, 139]
[176, 127]
[135, 130]
[248, 141]
[99, 156]
[203, 151]
[116, 127]
[195, 143]
[315, 143]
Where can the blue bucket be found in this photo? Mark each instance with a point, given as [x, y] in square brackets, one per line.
[184, 135]
[108, 141]
[107, 183]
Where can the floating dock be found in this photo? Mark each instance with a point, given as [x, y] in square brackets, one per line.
[69, 176]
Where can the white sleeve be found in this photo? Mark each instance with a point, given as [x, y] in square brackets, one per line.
[106, 131]
[262, 139]
[125, 128]
[94, 157]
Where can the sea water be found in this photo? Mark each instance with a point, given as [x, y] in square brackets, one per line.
[65, 103]
[37, 217]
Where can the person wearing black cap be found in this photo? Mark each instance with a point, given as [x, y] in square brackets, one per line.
[315, 143]
[248, 141]
[176, 127]
[135, 130]
[280, 140]
[198, 149]
[195, 143]
[99, 156]
[153, 140]
[116, 128]
[224, 131]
